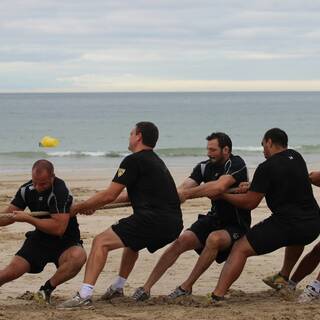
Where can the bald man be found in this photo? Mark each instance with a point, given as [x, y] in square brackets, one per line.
[56, 238]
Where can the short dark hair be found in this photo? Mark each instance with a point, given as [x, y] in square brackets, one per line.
[277, 136]
[149, 133]
[223, 139]
[43, 165]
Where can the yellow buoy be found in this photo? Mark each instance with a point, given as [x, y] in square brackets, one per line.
[48, 142]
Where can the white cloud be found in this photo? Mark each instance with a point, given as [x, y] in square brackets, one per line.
[158, 40]
[94, 82]
[251, 55]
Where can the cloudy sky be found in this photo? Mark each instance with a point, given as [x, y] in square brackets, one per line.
[159, 45]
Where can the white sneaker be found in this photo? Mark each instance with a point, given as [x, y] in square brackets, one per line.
[76, 303]
[309, 294]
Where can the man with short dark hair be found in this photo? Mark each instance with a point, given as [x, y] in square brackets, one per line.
[156, 219]
[295, 221]
[55, 239]
[213, 234]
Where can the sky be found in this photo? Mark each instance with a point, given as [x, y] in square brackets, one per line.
[159, 45]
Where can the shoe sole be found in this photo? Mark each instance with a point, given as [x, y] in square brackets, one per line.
[110, 298]
[180, 296]
[76, 308]
[274, 285]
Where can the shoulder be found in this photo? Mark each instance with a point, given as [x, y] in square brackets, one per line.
[27, 186]
[234, 164]
[59, 183]
[202, 164]
[60, 187]
[265, 165]
[237, 160]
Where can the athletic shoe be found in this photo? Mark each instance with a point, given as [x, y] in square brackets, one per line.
[76, 303]
[309, 294]
[179, 292]
[112, 293]
[140, 294]
[216, 299]
[276, 281]
[42, 296]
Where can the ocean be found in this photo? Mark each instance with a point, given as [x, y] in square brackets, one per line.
[93, 128]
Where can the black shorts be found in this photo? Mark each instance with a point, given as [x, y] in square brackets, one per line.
[138, 233]
[274, 233]
[38, 254]
[209, 223]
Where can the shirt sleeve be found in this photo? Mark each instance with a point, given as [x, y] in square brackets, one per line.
[60, 200]
[237, 169]
[127, 172]
[261, 180]
[19, 199]
[196, 174]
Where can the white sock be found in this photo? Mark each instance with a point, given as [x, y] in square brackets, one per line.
[86, 291]
[316, 285]
[119, 283]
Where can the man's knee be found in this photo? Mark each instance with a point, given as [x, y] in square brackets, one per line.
[243, 247]
[78, 256]
[105, 240]
[217, 241]
[187, 241]
[14, 270]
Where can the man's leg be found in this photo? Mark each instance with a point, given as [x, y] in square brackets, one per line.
[291, 256]
[233, 266]
[102, 244]
[70, 264]
[216, 241]
[280, 279]
[16, 268]
[187, 241]
[128, 260]
[307, 264]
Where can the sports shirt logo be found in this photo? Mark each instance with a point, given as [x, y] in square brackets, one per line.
[121, 172]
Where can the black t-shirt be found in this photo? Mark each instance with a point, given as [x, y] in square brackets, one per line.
[284, 180]
[207, 171]
[56, 200]
[150, 186]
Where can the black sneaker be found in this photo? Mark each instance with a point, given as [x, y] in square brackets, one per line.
[140, 294]
[179, 292]
[112, 293]
[216, 299]
[43, 295]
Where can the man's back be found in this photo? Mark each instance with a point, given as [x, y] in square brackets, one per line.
[149, 183]
[286, 185]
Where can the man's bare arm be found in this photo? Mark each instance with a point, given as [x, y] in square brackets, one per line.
[99, 199]
[249, 200]
[315, 178]
[56, 225]
[5, 221]
[211, 189]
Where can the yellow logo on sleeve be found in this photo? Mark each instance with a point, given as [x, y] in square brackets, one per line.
[121, 172]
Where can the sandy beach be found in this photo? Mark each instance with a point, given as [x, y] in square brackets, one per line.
[249, 298]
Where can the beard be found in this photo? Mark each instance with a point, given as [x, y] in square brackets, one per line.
[216, 161]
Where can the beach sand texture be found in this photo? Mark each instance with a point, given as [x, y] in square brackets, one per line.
[249, 298]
